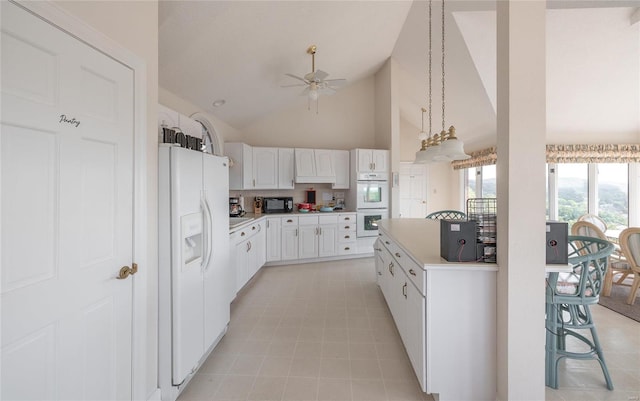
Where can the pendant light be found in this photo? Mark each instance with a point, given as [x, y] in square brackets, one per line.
[446, 146]
[426, 152]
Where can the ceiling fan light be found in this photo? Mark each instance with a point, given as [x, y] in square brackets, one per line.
[313, 94]
[421, 157]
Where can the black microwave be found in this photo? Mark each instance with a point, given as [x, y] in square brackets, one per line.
[277, 205]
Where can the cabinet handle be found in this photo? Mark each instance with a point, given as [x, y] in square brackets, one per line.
[413, 273]
[296, 232]
[387, 242]
[347, 248]
[379, 273]
[347, 218]
[398, 254]
[254, 182]
[347, 236]
[378, 249]
[253, 227]
[289, 221]
[374, 166]
[242, 234]
[267, 223]
[248, 246]
[404, 290]
[292, 183]
[391, 269]
[320, 231]
[347, 227]
[259, 227]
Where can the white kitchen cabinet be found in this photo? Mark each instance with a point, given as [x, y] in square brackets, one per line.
[317, 236]
[249, 245]
[372, 160]
[314, 166]
[274, 239]
[421, 294]
[241, 165]
[327, 238]
[307, 237]
[341, 168]
[347, 238]
[289, 238]
[265, 168]
[286, 168]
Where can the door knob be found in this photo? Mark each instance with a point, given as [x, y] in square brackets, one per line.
[127, 271]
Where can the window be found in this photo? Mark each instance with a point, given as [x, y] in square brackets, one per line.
[489, 181]
[613, 194]
[573, 191]
[470, 191]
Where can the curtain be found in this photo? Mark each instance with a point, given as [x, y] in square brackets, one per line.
[598, 153]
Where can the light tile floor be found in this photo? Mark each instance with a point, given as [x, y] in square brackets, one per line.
[322, 331]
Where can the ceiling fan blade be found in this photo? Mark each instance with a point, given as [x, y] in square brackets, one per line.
[321, 75]
[291, 85]
[298, 78]
[327, 90]
[305, 91]
[336, 82]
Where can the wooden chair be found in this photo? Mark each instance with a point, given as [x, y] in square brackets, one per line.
[617, 261]
[568, 298]
[448, 215]
[594, 219]
[630, 243]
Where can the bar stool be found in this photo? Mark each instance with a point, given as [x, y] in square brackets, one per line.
[568, 296]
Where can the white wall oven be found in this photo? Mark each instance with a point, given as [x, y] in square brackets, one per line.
[372, 195]
[367, 221]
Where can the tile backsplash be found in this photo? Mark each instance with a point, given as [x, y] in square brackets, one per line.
[324, 194]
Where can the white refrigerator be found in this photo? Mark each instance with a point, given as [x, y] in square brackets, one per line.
[195, 279]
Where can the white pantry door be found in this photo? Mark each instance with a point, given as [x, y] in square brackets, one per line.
[413, 190]
[66, 172]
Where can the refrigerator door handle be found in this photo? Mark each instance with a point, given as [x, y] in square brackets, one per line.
[208, 223]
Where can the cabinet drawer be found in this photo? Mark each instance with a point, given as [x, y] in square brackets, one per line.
[347, 218]
[308, 220]
[328, 219]
[347, 249]
[347, 226]
[415, 273]
[290, 221]
[346, 236]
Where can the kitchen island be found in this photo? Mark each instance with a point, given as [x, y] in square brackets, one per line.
[445, 312]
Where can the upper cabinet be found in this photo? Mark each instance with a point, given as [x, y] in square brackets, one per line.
[314, 166]
[240, 166]
[341, 167]
[265, 168]
[286, 175]
[372, 161]
[259, 167]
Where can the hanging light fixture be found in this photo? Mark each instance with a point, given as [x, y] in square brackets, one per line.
[426, 152]
[446, 146]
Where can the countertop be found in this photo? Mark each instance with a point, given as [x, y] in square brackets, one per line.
[420, 238]
[249, 218]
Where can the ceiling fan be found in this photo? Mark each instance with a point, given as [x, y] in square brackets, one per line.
[315, 82]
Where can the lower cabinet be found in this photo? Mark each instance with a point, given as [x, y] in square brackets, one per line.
[289, 238]
[318, 236]
[249, 252]
[407, 306]
[274, 239]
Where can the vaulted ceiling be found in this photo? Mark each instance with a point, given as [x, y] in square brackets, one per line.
[239, 51]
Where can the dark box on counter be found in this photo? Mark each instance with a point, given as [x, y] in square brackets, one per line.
[557, 244]
[458, 240]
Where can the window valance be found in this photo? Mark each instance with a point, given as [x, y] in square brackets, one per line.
[597, 153]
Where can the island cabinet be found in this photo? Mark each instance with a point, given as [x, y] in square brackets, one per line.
[445, 312]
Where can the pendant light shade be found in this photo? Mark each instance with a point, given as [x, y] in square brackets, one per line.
[446, 146]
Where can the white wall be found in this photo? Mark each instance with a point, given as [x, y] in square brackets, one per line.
[172, 101]
[344, 120]
[134, 25]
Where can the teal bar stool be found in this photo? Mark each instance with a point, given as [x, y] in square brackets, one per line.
[569, 296]
[447, 214]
